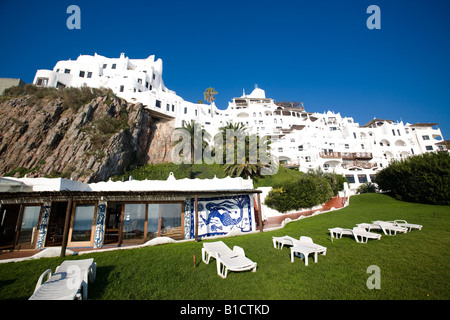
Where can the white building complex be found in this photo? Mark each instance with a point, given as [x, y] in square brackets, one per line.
[300, 139]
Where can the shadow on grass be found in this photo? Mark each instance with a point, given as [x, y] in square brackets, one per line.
[97, 288]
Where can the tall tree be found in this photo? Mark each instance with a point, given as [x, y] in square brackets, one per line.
[209, 94]
[242, 153]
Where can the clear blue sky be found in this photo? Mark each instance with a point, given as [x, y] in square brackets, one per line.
[319, 52]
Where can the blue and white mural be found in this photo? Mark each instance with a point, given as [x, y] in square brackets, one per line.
[100, 226]
[220, 215]
[43, 227]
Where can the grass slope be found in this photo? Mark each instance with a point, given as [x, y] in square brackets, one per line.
[414, 265]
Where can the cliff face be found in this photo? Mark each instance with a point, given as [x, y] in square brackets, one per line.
[98, 140]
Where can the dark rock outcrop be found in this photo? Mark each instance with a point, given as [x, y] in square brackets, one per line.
[100, 139]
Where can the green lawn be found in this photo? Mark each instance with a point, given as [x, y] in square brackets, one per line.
[415, 265]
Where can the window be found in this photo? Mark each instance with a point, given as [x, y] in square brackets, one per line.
[426, 137]
[113, 66]
[185, 110]
[429, 148]
[350, 178]
[121, 88]
[164, 219]
[167, 107]
[30, 221]
[66, 70]
[280, 149]
[154, 77]
[393, 132]
[133, 222]
[158, 104]
[81, 74]
[300, 148]
[354, 135]
[347, 146]
[42, 82]
[173, 108]
[104, 66]
[89, 75]
[308, 159]
[139, 80]
[362, 178]
[82, 223]
[398, 131]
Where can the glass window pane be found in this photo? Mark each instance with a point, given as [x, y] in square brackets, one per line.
[29, 224]
[153, 219]
[171, 219]
[134, 221]
[82, 225]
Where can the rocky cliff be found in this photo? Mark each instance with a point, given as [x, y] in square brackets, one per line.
[44, 137]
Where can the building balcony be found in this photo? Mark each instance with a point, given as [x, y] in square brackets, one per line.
[362, 165]
[330, 155]
[356, 155]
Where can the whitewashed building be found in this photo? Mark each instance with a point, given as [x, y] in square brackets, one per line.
[300, 139]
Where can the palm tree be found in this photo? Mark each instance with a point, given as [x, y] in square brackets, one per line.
[246, 158]
[209, 94]
[198, 138]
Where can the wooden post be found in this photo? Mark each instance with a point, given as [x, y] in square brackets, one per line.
[260, 212]
[196, 217]
[66, 228]
[18, 226]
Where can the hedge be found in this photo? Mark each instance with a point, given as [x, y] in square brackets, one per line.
[422, 178]
[305, 192]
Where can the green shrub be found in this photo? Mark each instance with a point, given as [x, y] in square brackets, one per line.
[304, 192]
[422, 178]
[367, 187]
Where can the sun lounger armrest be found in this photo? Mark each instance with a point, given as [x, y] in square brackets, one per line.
[47, 272]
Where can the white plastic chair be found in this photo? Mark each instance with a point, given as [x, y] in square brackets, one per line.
[69, 282]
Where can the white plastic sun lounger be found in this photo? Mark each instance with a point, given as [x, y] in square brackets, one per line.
[409, 226]
[212, 249]
[303, 250]
[69, 282]
[279, 242]
[339, 232]
[369, 226]
[234, 262]
[359, 232]
[390, 228]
